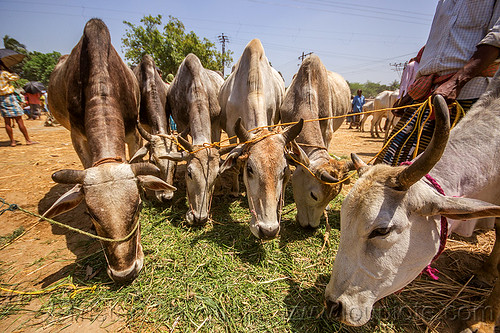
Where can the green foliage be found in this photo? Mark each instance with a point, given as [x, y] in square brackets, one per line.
[14, 45]
[371, 89]
[169, 44]
[39, 66]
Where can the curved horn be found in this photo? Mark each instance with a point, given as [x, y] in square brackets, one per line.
[293, 131]
[426, 161]
[326, 177]
[241, 131]
[145, 134]
[185, 132]
[145, 169]
[68, 176]
[185, 143]
[225, 149]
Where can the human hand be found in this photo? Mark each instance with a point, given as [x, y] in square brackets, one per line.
[449, 90]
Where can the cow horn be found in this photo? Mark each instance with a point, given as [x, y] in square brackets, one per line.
[241, 131]
[326, 177]
[293, 131]
[426, 161]
[185, 143]
[145, 168]
[145, 134]
[68, 176]
[225, 149]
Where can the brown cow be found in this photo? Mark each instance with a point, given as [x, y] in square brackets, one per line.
[96, 96]
[153, 116]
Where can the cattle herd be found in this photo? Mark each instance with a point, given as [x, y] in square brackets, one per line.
[390, 220]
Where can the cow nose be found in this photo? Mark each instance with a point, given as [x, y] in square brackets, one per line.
[192, 219]
[164, 196]
[125, 276]
[266, 232]
[333, 309]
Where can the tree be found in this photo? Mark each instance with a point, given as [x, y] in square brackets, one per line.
[371, 89]
[39, 66]
[169, 44]
[12, 44]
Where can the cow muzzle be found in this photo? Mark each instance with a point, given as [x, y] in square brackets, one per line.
[196, 219]
[164, 196]
[267, 232]
[126, 275]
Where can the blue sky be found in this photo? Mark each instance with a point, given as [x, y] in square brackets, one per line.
[359, 39]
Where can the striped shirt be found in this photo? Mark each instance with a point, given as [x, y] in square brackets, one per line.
[5, 79]
[458, 27]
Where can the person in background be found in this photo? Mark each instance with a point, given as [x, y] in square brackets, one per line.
[9, 105]
[357, 107]
[173, 125]
[408, 75]
[34, 102]
[458, 63]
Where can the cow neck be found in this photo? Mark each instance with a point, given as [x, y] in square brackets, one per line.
[315, 152]
[116, 159]
[432, 272]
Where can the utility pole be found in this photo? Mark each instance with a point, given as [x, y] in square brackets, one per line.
[301, 58]
[399, 67]
[223, 39]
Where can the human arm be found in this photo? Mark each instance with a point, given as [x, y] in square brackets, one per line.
[484, 56]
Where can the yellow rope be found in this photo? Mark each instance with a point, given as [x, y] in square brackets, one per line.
[105, 239]
[218, 143]
[76, 290]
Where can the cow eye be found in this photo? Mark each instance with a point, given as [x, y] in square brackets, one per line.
[315, 198]
[249, 170]
[379, 232]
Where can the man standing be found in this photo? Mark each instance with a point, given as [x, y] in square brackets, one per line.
[458, 63]
[357, 107]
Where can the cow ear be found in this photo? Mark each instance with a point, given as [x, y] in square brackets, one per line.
[459, 208]
[297, 154]
[231, 159]
[176, 156]
[154, 183]
[140, 153]
[66, 202]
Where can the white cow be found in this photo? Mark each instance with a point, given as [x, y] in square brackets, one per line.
[315, 93]
[367, 107]
[390, 220]
[384, 100]
[250, 98]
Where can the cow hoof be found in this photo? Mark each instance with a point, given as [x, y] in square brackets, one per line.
[485, 275]
[480, 327]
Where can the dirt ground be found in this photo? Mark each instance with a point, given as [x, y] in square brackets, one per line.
[25, 180]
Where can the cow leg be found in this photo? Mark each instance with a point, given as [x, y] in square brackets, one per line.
[82, 149]
[134, 142]
[489, 272]
[484, 319]
[235, 184]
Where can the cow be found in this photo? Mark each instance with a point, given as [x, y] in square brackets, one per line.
[313, 94]
[192, 101]
[390, 220]
[250, 98]
[96, 96]
[384, 100]
[368, 106]
[152, 113]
